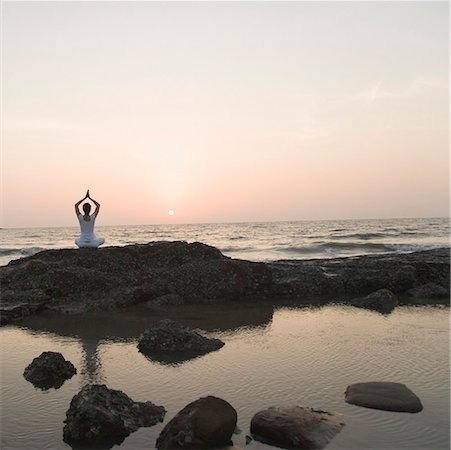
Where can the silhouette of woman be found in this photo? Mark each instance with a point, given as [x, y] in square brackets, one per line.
[87, 222]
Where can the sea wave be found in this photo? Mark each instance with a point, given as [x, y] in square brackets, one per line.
[29, 251]
[357, 247]
[363, 236]
[9, 251]
[25, 251]
[237, 249]
[334, 245]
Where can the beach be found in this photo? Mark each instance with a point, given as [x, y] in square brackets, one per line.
[291, 330]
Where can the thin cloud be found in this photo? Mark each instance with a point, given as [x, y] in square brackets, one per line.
[379, 92]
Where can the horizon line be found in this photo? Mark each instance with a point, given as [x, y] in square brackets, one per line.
[232, 222]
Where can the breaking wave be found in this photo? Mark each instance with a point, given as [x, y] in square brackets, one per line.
[26, 251]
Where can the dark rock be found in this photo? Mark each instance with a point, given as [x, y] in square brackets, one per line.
[382, 300]
[17, 311]
[429, 291]
[99, 417]
[170, 342]
[206, 423]
[383, 395]
[168, 299]
[295, 427]
[359, 276]
[80, 280]
[49, 369]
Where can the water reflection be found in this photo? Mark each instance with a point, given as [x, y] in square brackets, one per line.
[304, 356]
[91, 329]
[92, 364]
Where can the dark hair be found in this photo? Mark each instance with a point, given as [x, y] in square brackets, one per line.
[86, 208]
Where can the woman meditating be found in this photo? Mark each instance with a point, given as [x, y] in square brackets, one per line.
[87, 237]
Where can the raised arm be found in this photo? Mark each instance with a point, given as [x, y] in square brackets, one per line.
[77, 211]
[96, 212]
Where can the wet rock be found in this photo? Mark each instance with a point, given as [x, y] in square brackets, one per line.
[170, 342]
[429, 291]
[161, 273]
[79, 280]
[99, 417]
[17, 311]
[382, 300]
[48, 370]
[357, 276]
[385, 395]
[295, 427]
[168, 299]
[206, 423]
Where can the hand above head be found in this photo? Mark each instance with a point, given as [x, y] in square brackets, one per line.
[87, 194]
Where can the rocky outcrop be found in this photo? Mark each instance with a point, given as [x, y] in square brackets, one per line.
[206, 423]
[169, 342]
[295, 427]
[48, 370]
[361, 275]
[159, 273]
[383, 301]
[78, 280]
[99, 417]
[387, 396]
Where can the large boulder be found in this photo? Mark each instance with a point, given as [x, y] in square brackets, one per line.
[383, 301]
[48, 370]
[168, 342]
[206, 423]
[99, 417]
[384, 395]
[295, 427]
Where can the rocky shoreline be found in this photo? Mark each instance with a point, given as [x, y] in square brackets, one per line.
[168, 273]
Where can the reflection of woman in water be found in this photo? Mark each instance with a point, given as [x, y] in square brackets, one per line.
[87, 222]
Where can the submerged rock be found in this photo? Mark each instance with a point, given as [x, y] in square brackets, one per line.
[382, 300]
[170, 342]
[383, 395]
[99, 417]
[49, 369]
[206, 423]
[295, 427]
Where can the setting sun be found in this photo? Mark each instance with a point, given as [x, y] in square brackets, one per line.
[171, 212]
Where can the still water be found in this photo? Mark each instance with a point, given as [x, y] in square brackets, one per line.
[288, 355]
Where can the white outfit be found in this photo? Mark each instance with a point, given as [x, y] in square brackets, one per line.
[87, 237]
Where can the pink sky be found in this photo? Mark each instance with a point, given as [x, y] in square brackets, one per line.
[224, 112]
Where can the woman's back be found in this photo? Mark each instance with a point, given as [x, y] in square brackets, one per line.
[87, 226]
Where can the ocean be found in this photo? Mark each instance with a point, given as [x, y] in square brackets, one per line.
[262, 241]
[274, 354]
